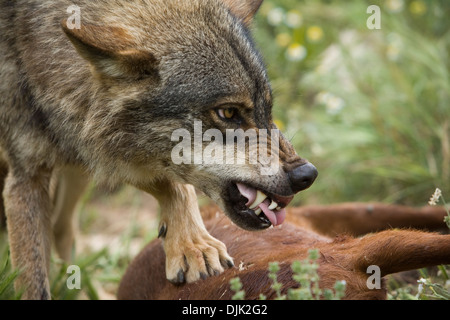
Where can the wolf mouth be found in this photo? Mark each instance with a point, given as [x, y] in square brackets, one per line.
[253, 208]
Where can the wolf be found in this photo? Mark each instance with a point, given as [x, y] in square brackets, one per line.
[99, 101]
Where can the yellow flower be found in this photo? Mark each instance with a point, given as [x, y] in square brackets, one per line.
[283, 39]
[418, 7]
[392, 52]
[280, 124]
[314, 33]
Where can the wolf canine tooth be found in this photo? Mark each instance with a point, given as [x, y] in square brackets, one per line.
[258, 211]
[273, 205]
[260, 197]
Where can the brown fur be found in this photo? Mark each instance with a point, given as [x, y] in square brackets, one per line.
[101, 102]
[357, 219]
[342, 258]
[68, 187]
[3, 174]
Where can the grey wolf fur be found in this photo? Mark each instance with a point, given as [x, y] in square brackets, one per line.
[100, 102]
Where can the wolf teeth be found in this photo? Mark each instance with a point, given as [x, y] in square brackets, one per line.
[258, 211]
[260, 197]
[273, 205]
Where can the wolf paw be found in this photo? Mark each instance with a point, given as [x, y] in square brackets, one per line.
[189, 259]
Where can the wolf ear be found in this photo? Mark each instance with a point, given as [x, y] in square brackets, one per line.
[110, 51]
[244, 9]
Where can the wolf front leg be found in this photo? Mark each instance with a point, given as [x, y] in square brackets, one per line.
[28, 208]
[70, 184]
[191, 252]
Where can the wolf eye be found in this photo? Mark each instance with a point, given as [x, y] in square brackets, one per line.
[227, 113]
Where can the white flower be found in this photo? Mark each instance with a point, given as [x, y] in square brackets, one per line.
[296, 52]
[395, 5]
[422, 281]
[333, 103]
[275, 16]
[420, 289]
[294, 19]
[435, 197]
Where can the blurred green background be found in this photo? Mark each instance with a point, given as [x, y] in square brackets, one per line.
[369, 108]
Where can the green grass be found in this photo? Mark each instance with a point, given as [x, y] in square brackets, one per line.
[304, 274]
[100, 269]
[368, 107]
[7, 274]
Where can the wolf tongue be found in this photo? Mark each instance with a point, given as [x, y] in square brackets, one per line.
[275, 218]
[248, 192]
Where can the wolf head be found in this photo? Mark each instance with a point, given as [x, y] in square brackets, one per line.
[179, 78]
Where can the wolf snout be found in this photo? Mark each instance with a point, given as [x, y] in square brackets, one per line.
[302, 177]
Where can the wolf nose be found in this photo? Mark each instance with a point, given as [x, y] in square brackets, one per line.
[302, 177]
